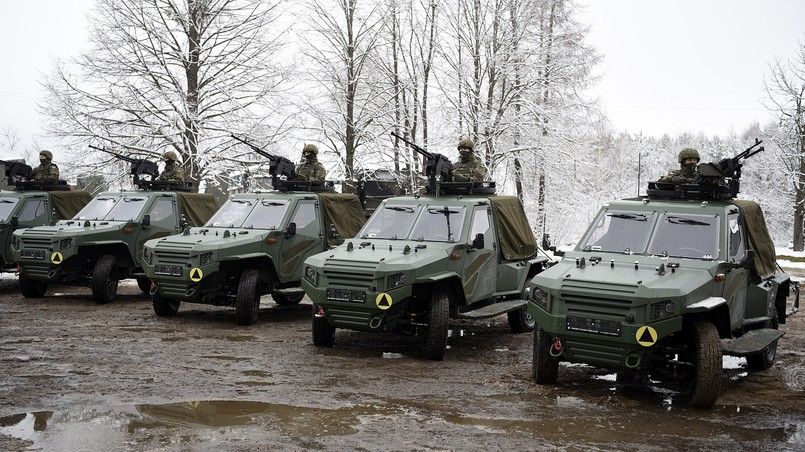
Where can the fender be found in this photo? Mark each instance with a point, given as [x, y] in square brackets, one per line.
[706, 305]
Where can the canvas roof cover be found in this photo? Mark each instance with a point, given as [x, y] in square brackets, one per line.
[197, 208]
[758, 237]
[345, 212]
[69, 202]
[514, 233]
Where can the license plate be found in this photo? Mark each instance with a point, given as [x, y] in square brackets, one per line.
[346, 295]
[32, 254]
[588, 325]
[168, 270]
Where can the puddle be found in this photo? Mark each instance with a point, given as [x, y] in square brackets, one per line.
[243, 338]
[227, 358]
[140, 329]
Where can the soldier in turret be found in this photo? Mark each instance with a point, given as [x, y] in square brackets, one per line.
[172, 172]
[688, 161]
[310, 169]
[47, 170]
[468, 168]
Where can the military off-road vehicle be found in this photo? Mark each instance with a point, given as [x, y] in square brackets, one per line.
[661, 285]
[457, 252]
[32, 203]
[102, 243]
[254, 245]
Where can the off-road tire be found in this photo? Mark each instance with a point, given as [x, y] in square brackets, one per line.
[765, 359]
[544, 367]
[323, 333]
[144, 284]
[701, 385]
[287, 299]
[165, 307]
[520, 321]
[31, 288]
[247, 301]
[105, 279]
[438, 324]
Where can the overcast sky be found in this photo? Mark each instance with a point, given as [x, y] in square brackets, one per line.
[669, 65]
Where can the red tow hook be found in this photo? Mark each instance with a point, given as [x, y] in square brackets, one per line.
[319, 313]
[556, 349]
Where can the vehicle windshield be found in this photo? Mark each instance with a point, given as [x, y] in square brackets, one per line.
[686, 235]
[619, 232]
[390, 222]
[98, 208]
[439, 224]
[249, 213]
[128, 209]
[6, 207]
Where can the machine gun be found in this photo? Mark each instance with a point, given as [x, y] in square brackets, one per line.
[727, 172]
[277, 166]
[436, 165]
[139, 167]
[17, 171]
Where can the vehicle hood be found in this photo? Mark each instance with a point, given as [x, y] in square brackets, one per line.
[384, 255]
[72, 228]
[209, 239]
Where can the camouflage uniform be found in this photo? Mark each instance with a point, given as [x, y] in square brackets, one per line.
[468, 168]
[310, 169]
[47, 170]
[687, 173]
[172, 172]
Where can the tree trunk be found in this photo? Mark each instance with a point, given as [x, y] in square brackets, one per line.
[191, 71]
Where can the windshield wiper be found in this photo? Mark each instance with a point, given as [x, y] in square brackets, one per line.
[272, 203]
[6, 201]
[401, 209]
[133, 199]
[680, 220]
[242, 201]
[627, 216]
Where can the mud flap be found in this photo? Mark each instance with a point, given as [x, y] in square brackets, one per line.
[795, 307]
[750, 343]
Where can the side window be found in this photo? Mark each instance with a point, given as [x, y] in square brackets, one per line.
[735, 236]
[305, 217]
[480, 224]
[33, 211]
[162, 213]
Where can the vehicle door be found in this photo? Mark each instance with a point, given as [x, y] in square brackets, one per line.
[163, 220]
[480, 264]
[736, 280]
[33, 212]
[306, 240]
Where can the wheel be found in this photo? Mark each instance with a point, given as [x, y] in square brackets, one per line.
[765, 359]
[544, 366]
[247, 302]
[520, 321]
[104, 279]
[287, 299]
[31, 288]
[165, 307]
[144, 284]
[323, 333]
[700, 375]
[438, 323]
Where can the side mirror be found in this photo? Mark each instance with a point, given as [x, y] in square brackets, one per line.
[333, 233]
[478, 241]
[146, 220]
[748, 261]
[15, 222]
[183, 224]
[290, 231]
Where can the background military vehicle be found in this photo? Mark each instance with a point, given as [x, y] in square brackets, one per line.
[102, 243]
[32, 203]
[658, 286]
[459, 251]
[254, 245]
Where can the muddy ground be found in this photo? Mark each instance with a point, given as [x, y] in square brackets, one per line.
[79, 376]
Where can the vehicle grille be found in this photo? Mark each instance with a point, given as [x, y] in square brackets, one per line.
[596, 352]
[349, 273]
[596, 298]
[347, 317]
[37, 239]
[173, 251]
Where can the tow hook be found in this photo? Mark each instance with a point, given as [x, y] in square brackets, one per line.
[319, 313]
[557, 349]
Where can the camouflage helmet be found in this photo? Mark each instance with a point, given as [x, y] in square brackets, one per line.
[48, 155]
[688, 153]
[310, 148]
[170, 155]
[466, 143]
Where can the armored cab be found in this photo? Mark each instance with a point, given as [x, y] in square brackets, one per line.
[660, 285]
[102, 243]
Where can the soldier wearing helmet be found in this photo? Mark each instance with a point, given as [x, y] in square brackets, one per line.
[310, 169]
[688, 161]
[468, 167]
[172, 172]
[47, 170]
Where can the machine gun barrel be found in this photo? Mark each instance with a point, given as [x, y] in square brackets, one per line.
[436, 165]
[414, 146]
[16, 171]
[139, 167]
[278, 166]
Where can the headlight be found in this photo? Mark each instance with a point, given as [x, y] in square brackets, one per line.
[540, 297]
[310, 274]
[206, 258]
[662, 309]
[147, 256]
[66, 243]
[395, 280]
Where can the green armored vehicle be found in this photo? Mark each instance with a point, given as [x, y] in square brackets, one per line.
[254, 245]
[32, 203]
[102, 243]
[458, 252]
[660, 286]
